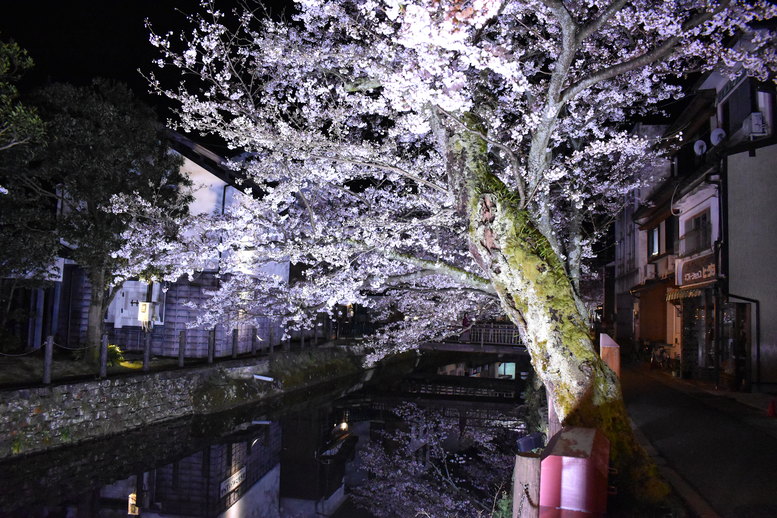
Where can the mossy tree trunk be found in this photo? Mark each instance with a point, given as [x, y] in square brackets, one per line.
[538, 296]
[97, 307]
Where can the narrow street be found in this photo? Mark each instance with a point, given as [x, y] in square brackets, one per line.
[725, 451]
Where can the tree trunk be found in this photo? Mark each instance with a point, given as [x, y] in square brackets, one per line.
[94, 328]
[537, 295]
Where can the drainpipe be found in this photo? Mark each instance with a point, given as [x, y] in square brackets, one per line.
[720, 245]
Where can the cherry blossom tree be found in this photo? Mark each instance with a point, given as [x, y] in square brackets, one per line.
[431, 159]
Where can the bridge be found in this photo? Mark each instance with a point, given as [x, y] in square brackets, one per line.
[482, 338]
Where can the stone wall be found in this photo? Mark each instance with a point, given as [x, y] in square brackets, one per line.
[33, 420]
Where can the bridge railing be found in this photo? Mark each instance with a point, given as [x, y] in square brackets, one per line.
[492, 334]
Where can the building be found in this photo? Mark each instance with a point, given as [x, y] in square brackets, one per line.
[61, 310]
[696, 255]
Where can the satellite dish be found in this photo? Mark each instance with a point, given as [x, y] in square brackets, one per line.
[700, 147]
[717, 136]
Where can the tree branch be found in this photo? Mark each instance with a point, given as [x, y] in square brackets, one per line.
[597, 24]
[386, 167]
[460, 275]
[642, 60]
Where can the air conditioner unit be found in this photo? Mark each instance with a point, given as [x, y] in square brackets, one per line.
[650, 271]
[754, 125]
[670, 260]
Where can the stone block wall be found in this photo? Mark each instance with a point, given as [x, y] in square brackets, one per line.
[37, 419]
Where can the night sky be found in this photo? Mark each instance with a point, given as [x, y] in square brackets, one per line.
[76, 40]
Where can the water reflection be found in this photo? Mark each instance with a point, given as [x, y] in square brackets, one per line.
[294, 458]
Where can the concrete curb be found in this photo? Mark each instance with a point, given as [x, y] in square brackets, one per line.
[692, 499]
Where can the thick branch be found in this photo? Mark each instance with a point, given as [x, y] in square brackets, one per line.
[597, 24]
[386, 167]
[460, 275]
[656, 54]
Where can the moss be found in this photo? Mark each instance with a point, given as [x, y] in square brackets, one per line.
[527, 273]
[303, 368]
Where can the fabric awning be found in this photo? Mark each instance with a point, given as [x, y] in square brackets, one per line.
[682, 293]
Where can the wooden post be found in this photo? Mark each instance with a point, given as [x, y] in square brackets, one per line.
[315, 332]
[302, 340]
[104, 357]
[147, 353]
[526, 485]
[554, 425]
[234, 343]
[48, 354]
[211, 345]
[271, 338]
[254, 340]
[181, 347]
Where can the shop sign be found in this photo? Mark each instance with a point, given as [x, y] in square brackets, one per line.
[232, 482]
[699, 270]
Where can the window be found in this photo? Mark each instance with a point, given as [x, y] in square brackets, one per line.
[654, 245]
[698, 233]
[670, 234]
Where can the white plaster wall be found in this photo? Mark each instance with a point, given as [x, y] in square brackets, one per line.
[208, 189]
[261, 501]
[752, 215]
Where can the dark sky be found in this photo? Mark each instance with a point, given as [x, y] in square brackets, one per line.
[76, 40]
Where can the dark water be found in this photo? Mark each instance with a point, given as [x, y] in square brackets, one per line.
[296, 456]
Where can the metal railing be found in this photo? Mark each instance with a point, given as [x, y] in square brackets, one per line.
[492, 334]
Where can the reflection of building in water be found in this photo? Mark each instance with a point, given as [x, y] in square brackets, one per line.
[502, 370]
[316, 446]
[228, 479]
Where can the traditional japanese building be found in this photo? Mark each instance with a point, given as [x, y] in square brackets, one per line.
[696, 255]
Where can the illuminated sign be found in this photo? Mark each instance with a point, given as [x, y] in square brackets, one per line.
[699, 270]
[232, 482]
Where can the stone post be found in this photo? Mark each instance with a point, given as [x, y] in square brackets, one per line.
[181, 347]
[48, 354]
[104, 357]
[211, 345]
[147, 353]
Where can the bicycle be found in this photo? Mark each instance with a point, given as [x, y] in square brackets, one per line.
[659, 357]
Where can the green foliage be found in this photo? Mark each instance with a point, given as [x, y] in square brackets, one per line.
[103, 142]
[115, 355]
[503, 507]
[19, 124]
[28, 246]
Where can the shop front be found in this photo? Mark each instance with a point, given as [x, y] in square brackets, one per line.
[714, 332]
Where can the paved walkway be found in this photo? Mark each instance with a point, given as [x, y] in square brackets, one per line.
[718, 449]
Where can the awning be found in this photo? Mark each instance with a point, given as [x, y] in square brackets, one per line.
[683, 293]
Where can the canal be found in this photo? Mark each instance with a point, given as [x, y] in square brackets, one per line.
[394, 439]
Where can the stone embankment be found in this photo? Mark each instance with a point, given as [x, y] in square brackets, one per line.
[37, 419]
